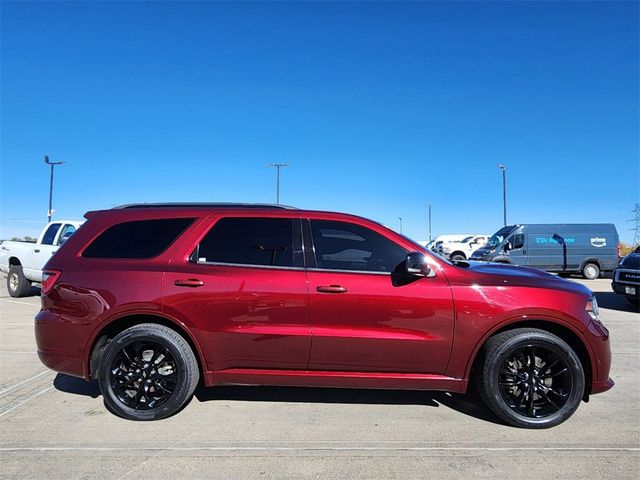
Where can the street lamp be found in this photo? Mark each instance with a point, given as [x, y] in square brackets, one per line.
[53, 164]
[429, 221]
[278, 166]
[400, 218]
[504, 191]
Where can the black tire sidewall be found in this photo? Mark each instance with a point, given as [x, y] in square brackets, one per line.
[557, 346]
[183, 389]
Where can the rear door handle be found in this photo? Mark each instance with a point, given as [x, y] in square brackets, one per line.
[331, 289]
[190, 282]
[37, 250]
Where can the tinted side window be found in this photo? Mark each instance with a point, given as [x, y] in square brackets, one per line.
[251, 241]
[517, 241]
[137, 239]
[345, 246]
[50, 234]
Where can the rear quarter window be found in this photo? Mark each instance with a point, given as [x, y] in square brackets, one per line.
[137, 239]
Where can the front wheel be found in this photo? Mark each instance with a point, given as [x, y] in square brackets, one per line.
[591, 271]
[147, 372]
[458, 257]
[531, 378]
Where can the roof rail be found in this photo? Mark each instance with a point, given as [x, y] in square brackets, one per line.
[203, 205]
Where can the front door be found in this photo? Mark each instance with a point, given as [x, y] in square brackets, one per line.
[362, 318]
[244, 293]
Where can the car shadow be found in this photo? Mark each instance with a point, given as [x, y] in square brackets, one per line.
[77, 386]
[615, 301]
[470, 405]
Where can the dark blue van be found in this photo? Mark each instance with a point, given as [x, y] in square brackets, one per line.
[588, 248]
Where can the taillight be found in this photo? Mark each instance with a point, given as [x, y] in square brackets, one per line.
[49, 279]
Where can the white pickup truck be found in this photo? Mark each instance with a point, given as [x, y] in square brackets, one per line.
[23, 261]
[463, 249]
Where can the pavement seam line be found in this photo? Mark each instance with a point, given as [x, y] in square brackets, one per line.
[28, 399]
[23, 383]
[287, 449]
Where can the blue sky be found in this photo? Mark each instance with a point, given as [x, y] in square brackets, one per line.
[379, 108]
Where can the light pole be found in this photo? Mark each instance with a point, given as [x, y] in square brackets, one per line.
[278, 165]
[53, 164]
[400, 218]
[504, 192]
[429, 222]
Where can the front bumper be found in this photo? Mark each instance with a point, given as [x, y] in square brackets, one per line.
[628, 289]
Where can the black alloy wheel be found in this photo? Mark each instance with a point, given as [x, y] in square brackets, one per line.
[147, 372]
[534, 381]
[531, 378]
[144, 375]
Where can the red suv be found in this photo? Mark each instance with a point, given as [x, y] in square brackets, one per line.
[151, 299]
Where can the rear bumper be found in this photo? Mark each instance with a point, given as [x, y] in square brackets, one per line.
[59, 344]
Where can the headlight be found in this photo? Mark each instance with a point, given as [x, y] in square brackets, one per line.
[592, 308]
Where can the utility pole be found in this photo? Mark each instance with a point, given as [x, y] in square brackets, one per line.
[53, 164]
[278, 166]
[400, 218]
[429, 222]
[636, 229]
[504, 192]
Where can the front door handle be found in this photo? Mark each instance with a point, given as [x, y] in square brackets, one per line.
[37, 250]
[331, 289]
[190, 282]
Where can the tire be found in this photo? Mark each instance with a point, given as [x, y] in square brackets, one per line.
[147, 372]
[591, 271]
[518, 390]
[457, 256]
[17, 283]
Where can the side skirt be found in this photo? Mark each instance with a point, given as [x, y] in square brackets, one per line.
[314, 378]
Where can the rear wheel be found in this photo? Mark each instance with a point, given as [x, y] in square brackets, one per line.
[17, 283]
[147, 372]
[531, 378]
[591, 271]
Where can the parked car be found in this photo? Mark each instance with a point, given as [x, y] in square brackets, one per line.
[437, 243]
[151, 299]
[626, 278]
[464, 248]
[23, 261]
[589, 249]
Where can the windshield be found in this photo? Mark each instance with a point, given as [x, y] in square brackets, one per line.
[498, 237]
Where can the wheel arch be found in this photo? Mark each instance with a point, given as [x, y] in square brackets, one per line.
[115, 326]
[570, 336]
[14, 262]
[590, 260]
[458, 252]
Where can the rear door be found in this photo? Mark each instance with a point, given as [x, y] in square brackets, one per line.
[244, 293]
[362, 319]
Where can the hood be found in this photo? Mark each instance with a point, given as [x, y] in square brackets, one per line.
[503, 274]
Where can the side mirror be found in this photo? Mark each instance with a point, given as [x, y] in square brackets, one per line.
[508, 246]
[417, 265]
